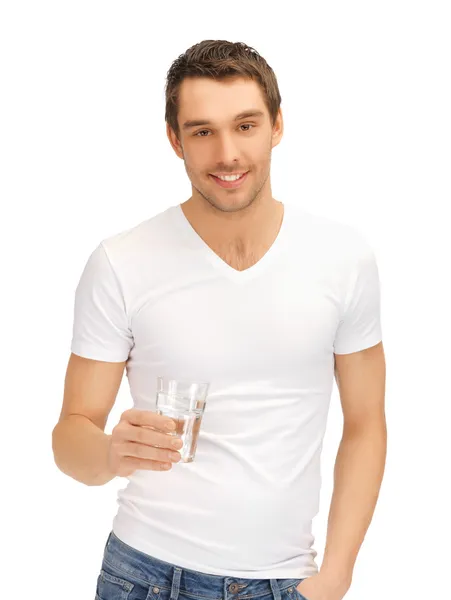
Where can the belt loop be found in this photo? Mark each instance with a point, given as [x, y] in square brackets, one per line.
[275, 589]
[176, 583]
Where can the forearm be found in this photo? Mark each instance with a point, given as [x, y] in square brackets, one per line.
[80, 449]
[358, 474]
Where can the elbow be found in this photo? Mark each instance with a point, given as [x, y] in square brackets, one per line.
[371, 427]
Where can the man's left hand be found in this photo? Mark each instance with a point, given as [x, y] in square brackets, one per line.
[320, 587]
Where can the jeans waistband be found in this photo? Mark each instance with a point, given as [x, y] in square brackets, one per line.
[152, 571]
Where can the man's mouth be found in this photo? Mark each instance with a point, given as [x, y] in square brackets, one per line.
[230, 181]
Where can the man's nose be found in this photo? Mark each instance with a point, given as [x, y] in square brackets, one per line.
[226, 151]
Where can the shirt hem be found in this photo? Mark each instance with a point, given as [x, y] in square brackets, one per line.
[95, 354]
[369, 343]
[136, 544]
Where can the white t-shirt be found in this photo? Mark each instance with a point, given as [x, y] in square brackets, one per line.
[159, 297]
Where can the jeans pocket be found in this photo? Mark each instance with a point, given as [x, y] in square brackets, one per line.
[112, 587]
[294, 593]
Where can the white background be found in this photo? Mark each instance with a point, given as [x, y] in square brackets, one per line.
[366, 101]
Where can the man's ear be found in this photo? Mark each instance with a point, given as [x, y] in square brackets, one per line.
[174, 141]
[277, 130]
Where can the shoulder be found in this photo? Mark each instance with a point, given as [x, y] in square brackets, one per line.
[329, 236]
[144, 238]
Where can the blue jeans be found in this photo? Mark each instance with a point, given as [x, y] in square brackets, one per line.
[128, 574]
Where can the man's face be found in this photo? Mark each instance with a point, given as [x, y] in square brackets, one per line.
[225, 145]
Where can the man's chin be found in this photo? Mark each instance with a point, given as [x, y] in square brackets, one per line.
[231, 206]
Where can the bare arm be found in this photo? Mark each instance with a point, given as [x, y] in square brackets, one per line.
[80, 446]
[360, 460]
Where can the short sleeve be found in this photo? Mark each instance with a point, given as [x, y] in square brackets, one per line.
[100, 328]
[360, 326]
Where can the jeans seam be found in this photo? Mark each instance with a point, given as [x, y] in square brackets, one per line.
[128, 574]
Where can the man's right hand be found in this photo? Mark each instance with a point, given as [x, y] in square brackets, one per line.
[134, 445]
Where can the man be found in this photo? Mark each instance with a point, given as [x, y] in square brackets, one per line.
[265, 301]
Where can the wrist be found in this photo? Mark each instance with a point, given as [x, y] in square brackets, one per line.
[105, 473]
[336, 578]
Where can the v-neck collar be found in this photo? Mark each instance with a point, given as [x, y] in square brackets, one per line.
[221, 265]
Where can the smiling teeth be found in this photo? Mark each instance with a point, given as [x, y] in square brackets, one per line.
[229, 177]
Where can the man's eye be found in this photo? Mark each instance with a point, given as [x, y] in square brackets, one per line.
[206, 130]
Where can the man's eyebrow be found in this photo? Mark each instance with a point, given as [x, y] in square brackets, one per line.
[243, 115]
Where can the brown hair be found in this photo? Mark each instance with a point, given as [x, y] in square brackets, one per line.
[219, 60]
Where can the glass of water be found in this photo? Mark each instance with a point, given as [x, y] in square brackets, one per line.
[184, 402]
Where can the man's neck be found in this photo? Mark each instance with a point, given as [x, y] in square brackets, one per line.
[246, 233]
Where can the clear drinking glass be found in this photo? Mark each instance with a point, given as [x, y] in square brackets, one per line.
[184, 402]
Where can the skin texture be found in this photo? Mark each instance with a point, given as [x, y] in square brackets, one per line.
[239, 225]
